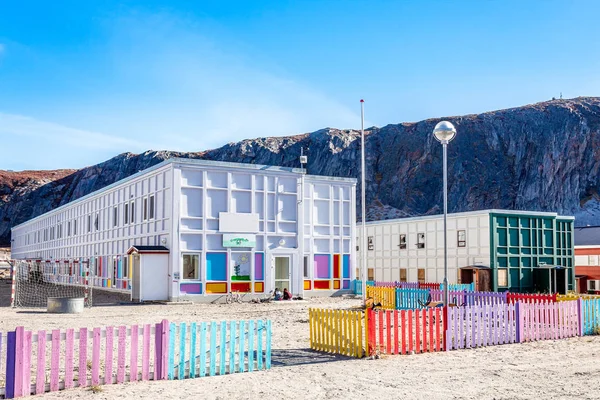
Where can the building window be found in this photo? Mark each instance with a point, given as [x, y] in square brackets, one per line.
[502, 275]
[132, 211]
[151, 212]
[126, 214]
[370, 245]
[191, 266]
[115, 216]
[402, 244]
[145, 209]
[421, 272]
[420, 240]
[306, 266]
[68, 228]
[59, 231]
[403, 275]
[593, 285]
[96, 222]
[89, 223]
[462, 238]
[370, 274]
[74, 227]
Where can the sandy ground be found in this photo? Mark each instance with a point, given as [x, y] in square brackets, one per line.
[561, 369]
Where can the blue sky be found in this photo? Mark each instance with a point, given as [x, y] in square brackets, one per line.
[82, 81]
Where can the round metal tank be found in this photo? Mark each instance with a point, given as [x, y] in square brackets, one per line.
[65, 305]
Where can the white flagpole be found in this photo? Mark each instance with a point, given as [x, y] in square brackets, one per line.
[363, 244]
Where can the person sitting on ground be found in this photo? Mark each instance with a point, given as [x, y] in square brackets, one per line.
[286, 294]
[277, 294]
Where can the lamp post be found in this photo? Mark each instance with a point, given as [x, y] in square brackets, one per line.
[444, 132]
[363, 235]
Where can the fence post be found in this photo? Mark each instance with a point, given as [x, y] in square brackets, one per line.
[518, 321]
[580, 317]
[10, 364]
[161, 347]
[445, 335]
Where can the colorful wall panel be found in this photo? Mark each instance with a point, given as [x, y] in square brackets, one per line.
[216, 267]
[259, 267]
[323, 285]
[242, 287]
[346, 267]
[322, 266]
[191, 288]
[336, 266]
[216, 287]
[259, 287]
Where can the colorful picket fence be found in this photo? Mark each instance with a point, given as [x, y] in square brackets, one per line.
[405, 331]
[577, 296]
[468, 298]
[356, 285]
[547, 321]
[590, 317]
[338, 331]
[101, 356]
[530, 297]
[385, 296]
[411, 299]
[481, 325]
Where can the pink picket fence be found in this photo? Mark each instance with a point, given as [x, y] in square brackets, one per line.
[502, 323]
[548, 321]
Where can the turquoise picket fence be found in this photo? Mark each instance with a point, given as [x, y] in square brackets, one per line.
[590, 316]
[411, 299]
[218, 348]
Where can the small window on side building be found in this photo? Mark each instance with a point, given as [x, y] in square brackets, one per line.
[462, 238]
[402, 244]
[420, 240]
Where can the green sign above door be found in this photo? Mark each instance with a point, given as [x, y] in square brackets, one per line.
[239, 240]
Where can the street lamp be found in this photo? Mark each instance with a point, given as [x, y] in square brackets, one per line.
[444, 132]
[363, 237]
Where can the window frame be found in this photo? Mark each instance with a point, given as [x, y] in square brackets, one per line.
[115, 216]
[151, 207]
[402, 244]
[199, 273]
[420, 244]
[370, 243]
[132, 211]
[126, 213]
[145, 209]
[461, 243]
[498, 281]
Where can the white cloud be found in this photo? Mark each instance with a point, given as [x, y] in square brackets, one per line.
[12, 126]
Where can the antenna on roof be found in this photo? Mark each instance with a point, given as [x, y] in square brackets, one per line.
[303, 159]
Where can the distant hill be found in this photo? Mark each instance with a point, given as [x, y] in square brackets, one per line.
[544, 157]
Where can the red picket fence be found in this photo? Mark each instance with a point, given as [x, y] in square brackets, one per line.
[429, 285]
[530, 298]
[405, 331]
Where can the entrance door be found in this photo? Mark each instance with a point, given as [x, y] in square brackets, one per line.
[282, 272]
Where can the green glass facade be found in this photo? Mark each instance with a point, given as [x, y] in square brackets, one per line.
[523, 247]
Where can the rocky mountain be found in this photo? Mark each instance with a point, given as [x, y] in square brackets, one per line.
[544, 157]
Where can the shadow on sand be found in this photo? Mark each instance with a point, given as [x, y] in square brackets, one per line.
[292, 357]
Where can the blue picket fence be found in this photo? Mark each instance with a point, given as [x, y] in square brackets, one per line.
[218, 348]
[411, 299]
[590, 317]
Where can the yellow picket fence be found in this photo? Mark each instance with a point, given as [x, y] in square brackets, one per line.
[338, 331]
[384, 295]
[576, 296]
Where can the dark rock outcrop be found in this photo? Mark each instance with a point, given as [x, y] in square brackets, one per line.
[542, 157]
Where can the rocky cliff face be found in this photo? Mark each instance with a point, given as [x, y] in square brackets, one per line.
[542, 157]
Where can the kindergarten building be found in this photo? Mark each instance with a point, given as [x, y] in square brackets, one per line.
[496, 249]
[194, 229]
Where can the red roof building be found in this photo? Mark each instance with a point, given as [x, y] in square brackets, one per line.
[587, 259]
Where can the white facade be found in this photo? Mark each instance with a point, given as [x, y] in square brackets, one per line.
[422, 257]
[190, 207]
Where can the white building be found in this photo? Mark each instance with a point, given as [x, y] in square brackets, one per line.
[192, 228]
[513, 244]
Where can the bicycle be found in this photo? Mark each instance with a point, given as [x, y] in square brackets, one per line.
[233, 297]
